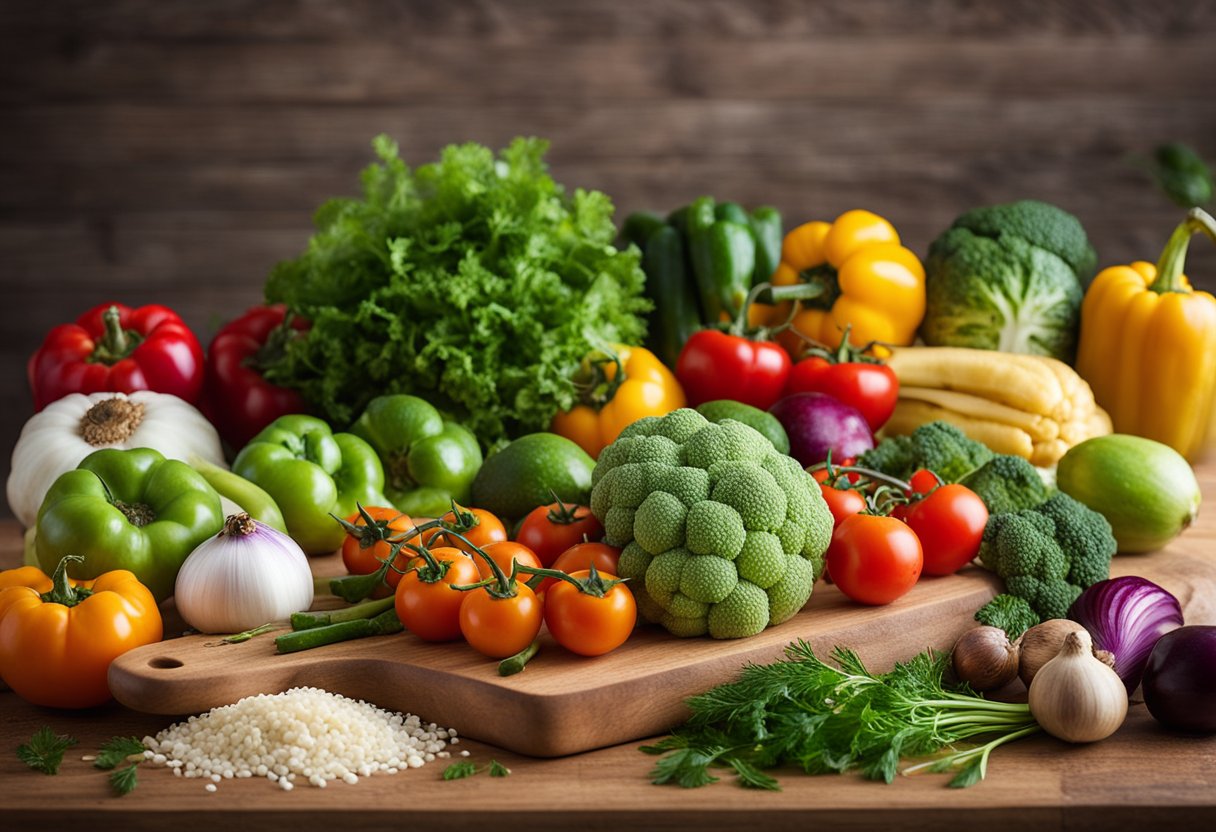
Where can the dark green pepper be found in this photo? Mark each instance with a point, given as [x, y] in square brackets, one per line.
[428, 462]
[639, 226]
[732, 255]
[698, 220]
[131, 510]
[767, 230]
[312, 474]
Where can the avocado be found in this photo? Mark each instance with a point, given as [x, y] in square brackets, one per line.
[529, 471]
[765, 423]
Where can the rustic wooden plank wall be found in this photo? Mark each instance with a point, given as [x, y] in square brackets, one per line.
[172, 151]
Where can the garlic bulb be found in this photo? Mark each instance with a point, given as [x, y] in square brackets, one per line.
[247, 575]
[1041, 643]
[66, 431]
[1076, 697]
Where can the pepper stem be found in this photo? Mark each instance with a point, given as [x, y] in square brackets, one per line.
[116, 343]
[62, 591]
[1173, 257]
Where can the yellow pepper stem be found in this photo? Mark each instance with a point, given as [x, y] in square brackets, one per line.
[1173, 258]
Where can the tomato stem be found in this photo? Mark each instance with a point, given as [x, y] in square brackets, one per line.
[372, 531]
[564, 514]
[514, 664]
[505, 585]
[594, 584]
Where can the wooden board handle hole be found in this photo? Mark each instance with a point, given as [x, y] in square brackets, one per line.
[164, 663]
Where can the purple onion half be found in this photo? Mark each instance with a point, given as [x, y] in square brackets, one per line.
[1125, 616]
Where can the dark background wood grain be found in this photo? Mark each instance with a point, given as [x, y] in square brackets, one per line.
[168, 151]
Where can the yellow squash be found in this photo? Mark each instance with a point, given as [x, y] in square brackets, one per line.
[870, 281]
[1148, 345]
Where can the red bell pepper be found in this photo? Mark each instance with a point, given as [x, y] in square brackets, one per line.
[717, 365]
[237, 399]
[851, 376]
[116, 349]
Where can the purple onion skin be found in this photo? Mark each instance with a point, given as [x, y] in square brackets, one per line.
[1126, 616]
[1180, 680]
[818, 423]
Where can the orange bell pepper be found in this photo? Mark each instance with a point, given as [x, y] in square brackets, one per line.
[621, 388]
[58, 636]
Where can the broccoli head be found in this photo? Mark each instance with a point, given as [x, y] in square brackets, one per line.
[720, 533]
[1007, 483]
[939, 446]
[1008, 277]
[1048, 554]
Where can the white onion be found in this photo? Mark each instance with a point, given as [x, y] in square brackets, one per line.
[247, 575]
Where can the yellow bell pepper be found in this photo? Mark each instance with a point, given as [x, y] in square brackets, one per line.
[1148, 345]
[621, 387]
[870, 282]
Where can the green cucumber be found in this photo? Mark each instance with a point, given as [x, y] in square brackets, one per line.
[730, 212]
[1146, 490]
[675, 316]
[698, 221]
[732, 253]
[639, 226]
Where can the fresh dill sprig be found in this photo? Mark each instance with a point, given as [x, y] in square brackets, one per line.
[802, 711]
[44, 751]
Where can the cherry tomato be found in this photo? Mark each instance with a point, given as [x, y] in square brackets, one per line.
[587, 624]
[950, 524]
[874, 559]
[871, 388]
[842, 502]
[500, 627]
[505, 554]
[924, 481]
[431, 610]
[363, 559]
[581, 556]
[550, 530]
[487, 529]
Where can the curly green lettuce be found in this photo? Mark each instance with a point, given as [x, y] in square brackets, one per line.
[475, 282]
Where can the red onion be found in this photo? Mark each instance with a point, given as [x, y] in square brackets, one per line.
[1126, 616]
[1180, 680]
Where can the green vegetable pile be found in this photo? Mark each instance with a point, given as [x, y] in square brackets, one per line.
[823, 719]
[476, 283]
[1048, 554]
[939, 446]
[720, 533]
[1007, 483]
[1008, 277]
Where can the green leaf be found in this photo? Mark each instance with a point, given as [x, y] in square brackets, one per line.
[116, 751]
[688, 767]
[44, 751]
[969, 775]
[459, 771]
[752, 777]
[497, 769]
[124, 780]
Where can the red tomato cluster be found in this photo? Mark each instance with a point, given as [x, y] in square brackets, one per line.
[875, 559]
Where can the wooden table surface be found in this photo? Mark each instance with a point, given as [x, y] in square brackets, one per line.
[1143, 774]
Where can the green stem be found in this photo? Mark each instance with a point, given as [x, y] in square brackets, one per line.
[238, 638]
[386, 623]
[775, 294]
[62, 591]
[505, 584]
[368, 609]
[594, 584]
[115, 343]
[514, 664]
[1173, 257]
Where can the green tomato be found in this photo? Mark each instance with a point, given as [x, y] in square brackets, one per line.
[312, 474]
[130, 509]
[428, 462]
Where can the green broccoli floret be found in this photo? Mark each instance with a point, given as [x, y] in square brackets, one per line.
[1007, 483]
[1008, 277]
[939, 446]
[1047, 555]
[1008, 612]
[721, 534]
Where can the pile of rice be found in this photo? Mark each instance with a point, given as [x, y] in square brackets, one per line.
[307, 733]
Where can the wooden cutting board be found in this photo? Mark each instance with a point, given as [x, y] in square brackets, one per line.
[563, 703]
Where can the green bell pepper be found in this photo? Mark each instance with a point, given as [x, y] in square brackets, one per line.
[428, 462]
[312, 473]
[130, 509]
